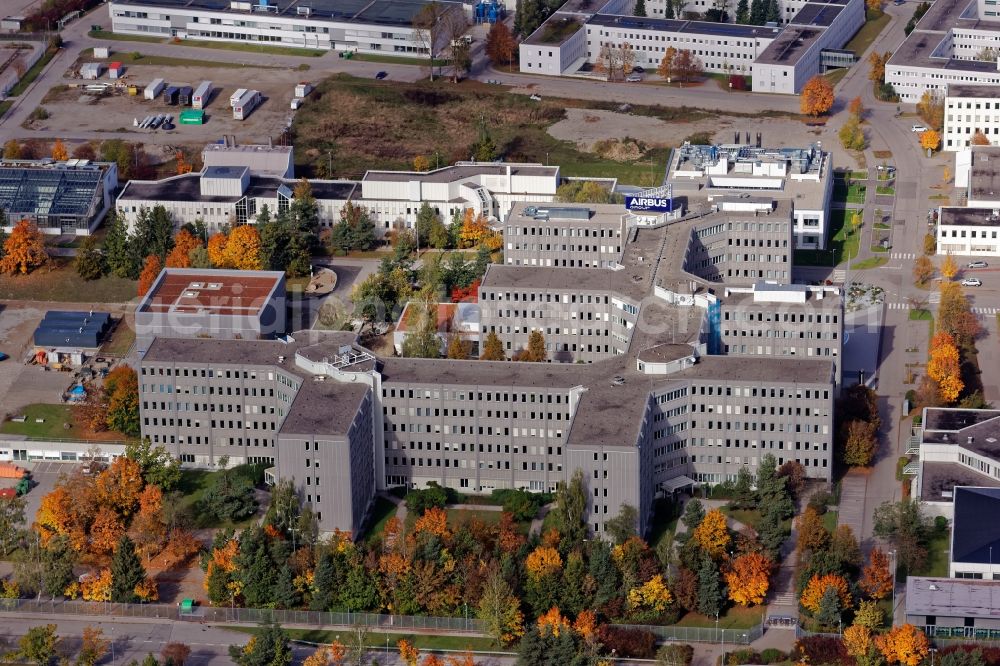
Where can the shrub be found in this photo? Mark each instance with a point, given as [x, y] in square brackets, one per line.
[772, 656]
[430, 497]
[820, 500]
[821, 650]
[744, 656]
[521, 504]
[680, 654]
[633, 643]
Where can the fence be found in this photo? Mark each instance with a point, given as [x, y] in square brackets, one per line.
[701, 634]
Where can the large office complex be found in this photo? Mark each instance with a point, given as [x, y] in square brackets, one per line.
[780, 59]
[950, 45]
[665, 398]
[365, 26]
[971, 230]
[69, 197]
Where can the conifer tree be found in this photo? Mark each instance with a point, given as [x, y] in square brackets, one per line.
[126, 572]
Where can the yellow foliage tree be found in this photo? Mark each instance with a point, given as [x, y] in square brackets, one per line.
[876, 579]
[949, 267]
[858, 641]
[543, 561]
[819, 584]
[24, 249]
[434, 521]
[904, 645]
[817, 96]
[930, 140]
[97, 587]
[652, 595]
[59, 152]
[712, 534]
[475, 230]
[243, 248]
[944, 367]
[421, 163]
[585, 624]
[147, 590]
[217, 250]
[749, 579]
[552, 622]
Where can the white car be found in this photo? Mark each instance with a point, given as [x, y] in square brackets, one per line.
[536, 98]
[977, 264]
[918, 128]
[972, 282]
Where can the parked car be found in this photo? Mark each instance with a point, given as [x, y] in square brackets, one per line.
[381, 75]
[639, 69]
[535, 98]
[972, 282]
[3, 357]
[634, 78]
[918, 128]
[977, 264]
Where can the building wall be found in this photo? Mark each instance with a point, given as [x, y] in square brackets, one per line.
[561, 242]
[969, 240]
[742, 252]
[552, 59]
[964, 115]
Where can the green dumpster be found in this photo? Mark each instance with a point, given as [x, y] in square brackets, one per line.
[187, 606]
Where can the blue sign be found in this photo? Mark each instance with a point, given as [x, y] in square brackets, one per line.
[654, 204]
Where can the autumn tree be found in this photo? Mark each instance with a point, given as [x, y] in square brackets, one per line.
[243, 248]
[458, 348]
[876, 579]
[813, 536]
[856, 108]
[923, 270]
[903, 644]
[217, 250]
[749, 578]
[955, 316]
[931, 109]
[817, 96]
[944, 366]
[859, 642]
[851, 135]
[23, 250]
[650, 600]
[553, 622]
[11, 150]
[860, 443]
[175, 653]
[501, 45]
[817, 587]
[949, 268]
[180, 256]
[93, 646]
[878, 61]
[121, 387]
[38, 645]
[493, 348]
[713, 534]
[666, 67]
[150, 270]
[59, 152]
[475, 229]
[687, 66]
[615, 60]
[979, 139]
[535, 351]
[930, 140]
[408, 652]
[875, 7]
[500, 610]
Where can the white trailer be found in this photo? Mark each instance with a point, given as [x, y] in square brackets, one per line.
[154, 89]
[202, 95]
[246, 104]
[303, 89]
[235, 97]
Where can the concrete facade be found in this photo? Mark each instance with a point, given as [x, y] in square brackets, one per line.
[580, 236]
[968, 109]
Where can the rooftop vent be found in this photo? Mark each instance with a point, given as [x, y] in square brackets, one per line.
[197, 285]
[970, 440]
[190, 294]
[215, 285]
[991, 440]
[281, 359]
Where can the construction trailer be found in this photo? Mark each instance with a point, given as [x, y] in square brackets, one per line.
[154, 89]
[246, 104]
[202, 95]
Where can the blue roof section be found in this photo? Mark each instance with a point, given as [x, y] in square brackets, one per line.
[975, 539]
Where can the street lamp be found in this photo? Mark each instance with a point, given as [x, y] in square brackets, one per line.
[892, 614]
[933, 651]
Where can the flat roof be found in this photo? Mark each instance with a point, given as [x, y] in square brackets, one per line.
[817, 14]
[556, 29]
[953, 597]
[384, 12]
[973, 539]
[938, 478]
[546, 212]
[50, 188]
[969, 217]
[685, 26]
[933, 28]
[246, 148]
[188, 188]
[977, 430]
[791, 45]
[211, 292]
[227, 172]
[974, 91]
[323, 408]
[451, 174]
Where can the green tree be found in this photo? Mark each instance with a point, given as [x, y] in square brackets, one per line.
[39, 645]
[422, 341]
[90, 263]
[355, 230]
[493, 348]
[58, 559]
[709, 590]
[324, 579]
[425, 223]
[230, 496]
[259, 574]
[743, 493]
[11, 522]
[623, 526]
[545, 648]
[117, 249]
[158, 466]
[569, 511]
[499, 609]
[828, 613]
[199, 258]
[269, 647]
[907, 528]
[640, 8]
[485, 148]
[153, 233]
[773, 12]
[694, 513]
[575, 595]
[359, 591]
[126, 572]
[743, 12]
[758, 11]
[285, 594]
[303, 212]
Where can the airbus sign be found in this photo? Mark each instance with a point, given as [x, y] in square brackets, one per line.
[658, 204]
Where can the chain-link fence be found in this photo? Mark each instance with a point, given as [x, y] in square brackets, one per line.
[245, 615]
[701, 634]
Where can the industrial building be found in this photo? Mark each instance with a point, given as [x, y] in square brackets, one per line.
[801, 176]
[363, 26]
[77, 331]
[779, 59]
[948, 46]
[68, 197]
[973, 540]
[954, 608]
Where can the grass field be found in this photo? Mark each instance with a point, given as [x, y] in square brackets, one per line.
[925, 315]
[937, 556]
[360, 124]
[55, 420]
[62, 284]
[842, 245]
[120, 342]
[107, 34]
[399, 60]
[139, 58]
[835, 75]
[734, 618]
[459, 517]
[32, 74]
[870, 262]
[251, 48]
[853, 193]
[830, 521]
[750, 517]
[378, 639]
[885, 189]
[381, 513]
[864, 37]
[192, 487]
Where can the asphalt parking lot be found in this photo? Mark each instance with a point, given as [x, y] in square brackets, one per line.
[44, 474]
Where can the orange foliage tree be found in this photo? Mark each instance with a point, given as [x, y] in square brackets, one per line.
[217, 250]
[150, 270]
[243, 248]
[585, 624]
[552, 622]
[105, 532]
[59, 152]
[930, 140]
[712, 534]
[904, 644]
[812, 534]
[876, 579]
[476, 230]
[434, 521]
[749, 579]
[817, 96]
[119, 485]
[184, 242]
[944, 368]
[182, 164]
[24, 249]
[858, 641]
[979, 139]
[408, 652]
[819, 584]
[97, 587]
[543, 561]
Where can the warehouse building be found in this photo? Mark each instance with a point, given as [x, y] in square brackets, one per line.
[363, 26]
[68, 197]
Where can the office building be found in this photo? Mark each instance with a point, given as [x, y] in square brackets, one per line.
[69, 197]
[969, 109]
[949, 608]
[968, 231]
[574, 236]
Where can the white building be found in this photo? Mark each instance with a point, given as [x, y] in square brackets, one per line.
[970, 232]
[366, 26]
[968, 109]
[269, 160]
[731, 175]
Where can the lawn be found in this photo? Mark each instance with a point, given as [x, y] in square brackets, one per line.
[885, 189]
[830, 521]
[121, 340]
[377, 639]
[62, 284]
[853, 193]
[843, 244]
[734, 618]
[864, 37]
[834, 76]
[191, 489]
[882, 154]
[107, 34]
[920, 314]
[32, 74]
[459, 517]
[665, 517]
[262, 48]
[859, 175]
[137, 58]
[870, 262]
[5, 106]
[398, 60]
[55, 419]
[381, 513]
[937, 556]
[749, 517]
